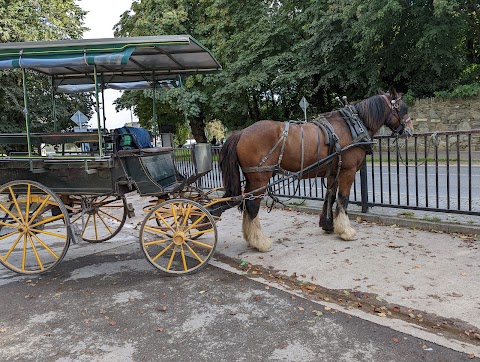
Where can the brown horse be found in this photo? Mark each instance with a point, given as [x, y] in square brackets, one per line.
[269, 147]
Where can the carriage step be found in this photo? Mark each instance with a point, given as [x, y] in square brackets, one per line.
[38, 170]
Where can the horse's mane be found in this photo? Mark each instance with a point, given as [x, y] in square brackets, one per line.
[371, 111]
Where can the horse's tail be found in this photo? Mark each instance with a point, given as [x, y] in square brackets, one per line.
[230, 166]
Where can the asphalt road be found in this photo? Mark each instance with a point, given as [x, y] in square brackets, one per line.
[112, 306]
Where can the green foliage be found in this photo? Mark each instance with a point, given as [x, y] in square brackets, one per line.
[39, 20]
[462, 91]
[275, 52]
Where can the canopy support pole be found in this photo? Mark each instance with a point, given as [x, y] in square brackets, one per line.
[103, 104]
[54, 106]
[97, 108]
[27, 115]
[155, 125]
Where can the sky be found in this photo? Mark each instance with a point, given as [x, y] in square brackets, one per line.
[101, 17]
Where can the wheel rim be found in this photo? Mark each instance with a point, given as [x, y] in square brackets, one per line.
[102, 218]
[34, 227]
[178, 236]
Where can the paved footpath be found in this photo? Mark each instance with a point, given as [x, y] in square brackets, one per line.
[424, 283]
[421, 283]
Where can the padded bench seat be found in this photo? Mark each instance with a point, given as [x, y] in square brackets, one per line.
[139, 151]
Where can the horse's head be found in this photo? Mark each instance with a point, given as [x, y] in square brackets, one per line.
[398, 120]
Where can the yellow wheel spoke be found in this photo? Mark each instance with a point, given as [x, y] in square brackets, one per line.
[48, 233]
[174, 213]
[162, 252]
[46, 247]
[36, 253]
[104, 223]
[157, 214]
[157, 230]
[201, 232]
[86, 224]
[27, 210]
[194, 253]
[13, 247]
[14, 199]
[169, 265]
[10, 214]
[196, 222]
[109, 215]
[190, 207]
[156, 242]
[95, 226]
[42, 205]
[201, 244]
[47, 220]
[78, 217]
[8, 235]
[184, 260]
[9, 225]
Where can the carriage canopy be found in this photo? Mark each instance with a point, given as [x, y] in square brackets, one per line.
[124, 63]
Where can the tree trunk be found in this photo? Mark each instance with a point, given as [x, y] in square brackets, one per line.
[197, 124]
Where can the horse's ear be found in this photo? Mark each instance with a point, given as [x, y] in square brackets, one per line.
[393, 92]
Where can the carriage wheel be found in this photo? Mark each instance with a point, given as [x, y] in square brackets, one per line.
[178, 236]
[34, 227]
[99, 218]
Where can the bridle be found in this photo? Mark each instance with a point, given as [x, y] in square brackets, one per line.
[402, 119]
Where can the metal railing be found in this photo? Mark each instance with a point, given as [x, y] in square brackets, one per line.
[432, 171]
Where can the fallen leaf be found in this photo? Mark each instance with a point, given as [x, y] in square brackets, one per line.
[202, 291]
[395, 340]
[113, 323]
[301, 309]
[328, 308]
[471, 356]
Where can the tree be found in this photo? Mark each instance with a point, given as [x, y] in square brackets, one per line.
[40, 20]
[357, 47]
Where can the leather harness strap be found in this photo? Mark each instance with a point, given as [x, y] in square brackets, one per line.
[276, 167]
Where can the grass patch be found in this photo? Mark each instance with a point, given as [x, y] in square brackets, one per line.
[407, 214]
[431, 218]
[297, 203]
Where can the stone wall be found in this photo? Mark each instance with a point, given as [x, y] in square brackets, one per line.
[438, 115]
[433, 114]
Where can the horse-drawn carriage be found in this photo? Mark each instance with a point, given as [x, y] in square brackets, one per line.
[65, 186]
[48, 199]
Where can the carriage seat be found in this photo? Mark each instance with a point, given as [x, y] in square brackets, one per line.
[140, 151]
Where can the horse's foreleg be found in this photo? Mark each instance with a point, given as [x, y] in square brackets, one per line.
[341, 222]
[326, 217]
[251, 228]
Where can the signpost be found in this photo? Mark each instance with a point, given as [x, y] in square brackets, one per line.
[304, 105]
[80, 119]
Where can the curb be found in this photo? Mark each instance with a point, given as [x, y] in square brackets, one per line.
[391, 220]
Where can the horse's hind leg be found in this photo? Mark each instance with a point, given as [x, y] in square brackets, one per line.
[252, 230]
[326, 217]
[341, 222]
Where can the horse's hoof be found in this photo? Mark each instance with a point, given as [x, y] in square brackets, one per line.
[263, 246]
[348, 235]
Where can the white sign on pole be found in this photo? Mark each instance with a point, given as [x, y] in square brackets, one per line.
[304, 105]
[80, 119]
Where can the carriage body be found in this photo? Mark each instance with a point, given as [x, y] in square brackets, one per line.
[59, 187]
